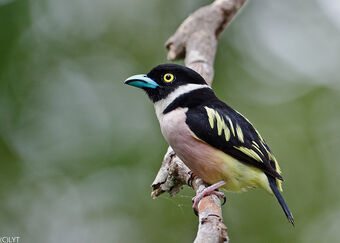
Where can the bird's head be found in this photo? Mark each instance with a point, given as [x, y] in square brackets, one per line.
[164, 79]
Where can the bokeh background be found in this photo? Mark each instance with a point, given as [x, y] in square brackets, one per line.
[79, 149]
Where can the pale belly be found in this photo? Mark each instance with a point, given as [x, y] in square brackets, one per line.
[205, 161]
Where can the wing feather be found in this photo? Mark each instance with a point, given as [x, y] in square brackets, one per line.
[227, 130]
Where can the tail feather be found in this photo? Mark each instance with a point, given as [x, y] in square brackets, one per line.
[279, 197]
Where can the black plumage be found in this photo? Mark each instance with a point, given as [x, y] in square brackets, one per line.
[197, 120]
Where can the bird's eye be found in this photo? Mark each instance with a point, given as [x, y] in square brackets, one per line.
[168, 77]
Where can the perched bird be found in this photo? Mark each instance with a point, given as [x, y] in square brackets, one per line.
[216, 142]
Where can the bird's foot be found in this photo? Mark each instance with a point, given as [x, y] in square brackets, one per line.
[208, 191]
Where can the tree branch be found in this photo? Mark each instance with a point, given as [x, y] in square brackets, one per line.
[196, 40]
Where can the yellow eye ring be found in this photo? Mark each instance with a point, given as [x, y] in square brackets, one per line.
[168, 77]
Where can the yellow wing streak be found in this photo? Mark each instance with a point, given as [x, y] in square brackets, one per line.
[249, 152]
[211, 116]
[221, 126]
[239, 133]
[227, 133]
[231, 125]
[256, 146]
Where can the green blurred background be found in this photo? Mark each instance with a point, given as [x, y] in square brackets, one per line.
[79, 149]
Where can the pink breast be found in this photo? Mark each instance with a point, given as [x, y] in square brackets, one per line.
[201, 158]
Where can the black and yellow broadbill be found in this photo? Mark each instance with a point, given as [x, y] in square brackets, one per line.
[216, 142]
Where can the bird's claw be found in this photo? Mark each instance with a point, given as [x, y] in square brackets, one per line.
[220, 195]
[204, 193]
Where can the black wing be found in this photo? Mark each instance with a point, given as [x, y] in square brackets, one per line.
[225, 129]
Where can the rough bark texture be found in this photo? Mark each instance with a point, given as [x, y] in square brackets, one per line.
[196, 41]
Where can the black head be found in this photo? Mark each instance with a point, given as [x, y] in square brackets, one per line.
[164, 79]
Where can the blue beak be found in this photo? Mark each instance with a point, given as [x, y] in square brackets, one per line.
[141, 81]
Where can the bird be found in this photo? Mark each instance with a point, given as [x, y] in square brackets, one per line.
[216, 142]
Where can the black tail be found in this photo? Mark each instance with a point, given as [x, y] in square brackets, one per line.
[273, 186]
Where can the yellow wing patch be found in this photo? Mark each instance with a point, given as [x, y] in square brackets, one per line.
[221, 126]
[231, 125]
[239, 133]
[211, 116]
[236, 131]
[227, 134]
[256, 146]
[251, 153]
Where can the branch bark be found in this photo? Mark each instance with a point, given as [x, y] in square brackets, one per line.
[196, 41]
